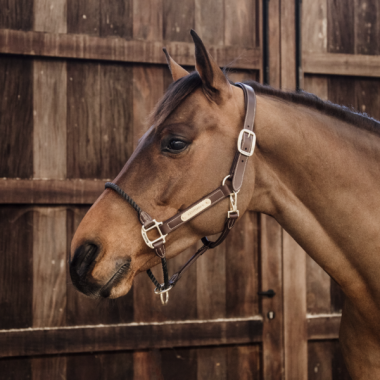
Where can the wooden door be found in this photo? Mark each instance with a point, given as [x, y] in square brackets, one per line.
[77, 81]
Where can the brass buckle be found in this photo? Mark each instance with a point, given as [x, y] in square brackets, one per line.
[144, 231]
[162, 292]
[240, 140]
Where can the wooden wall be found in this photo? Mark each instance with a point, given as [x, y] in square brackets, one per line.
[77, 81]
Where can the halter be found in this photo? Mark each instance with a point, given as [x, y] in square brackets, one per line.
[230, 187]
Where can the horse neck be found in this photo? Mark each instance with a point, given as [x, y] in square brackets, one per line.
[319, 178]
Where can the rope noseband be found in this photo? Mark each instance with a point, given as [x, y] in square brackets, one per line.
[230, 187]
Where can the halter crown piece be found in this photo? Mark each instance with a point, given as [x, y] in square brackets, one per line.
[230, 187]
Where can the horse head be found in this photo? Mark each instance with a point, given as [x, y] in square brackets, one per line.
[184, 155]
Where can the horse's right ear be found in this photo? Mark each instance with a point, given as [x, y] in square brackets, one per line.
[176, 70]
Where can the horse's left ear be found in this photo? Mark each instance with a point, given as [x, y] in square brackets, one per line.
[176, 70]
[214, 81]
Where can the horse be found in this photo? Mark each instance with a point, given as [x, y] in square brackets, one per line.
[315, 170]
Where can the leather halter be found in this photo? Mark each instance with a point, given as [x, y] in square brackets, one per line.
[230, 187]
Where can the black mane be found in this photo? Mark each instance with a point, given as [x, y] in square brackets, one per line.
[183, 87]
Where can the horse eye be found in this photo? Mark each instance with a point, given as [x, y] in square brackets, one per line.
[176, 145]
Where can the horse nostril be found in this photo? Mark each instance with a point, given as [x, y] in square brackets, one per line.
[84, 257]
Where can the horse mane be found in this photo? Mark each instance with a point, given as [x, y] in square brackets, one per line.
[183, 87]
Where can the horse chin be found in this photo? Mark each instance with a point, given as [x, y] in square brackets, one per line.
[116, 289]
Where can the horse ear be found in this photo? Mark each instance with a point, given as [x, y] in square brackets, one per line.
[176, 70]
[214, 81]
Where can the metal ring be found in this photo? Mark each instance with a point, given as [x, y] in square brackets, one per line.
[159, 291]
[224, 181]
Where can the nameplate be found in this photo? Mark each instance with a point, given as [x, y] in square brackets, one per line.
[195, 210]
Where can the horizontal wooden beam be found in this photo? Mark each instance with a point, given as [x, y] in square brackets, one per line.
[133, 336]
[341, 64]
[325, 326]
[51, 191]
[82, 46]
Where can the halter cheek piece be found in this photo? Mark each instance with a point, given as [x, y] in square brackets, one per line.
[230, 187]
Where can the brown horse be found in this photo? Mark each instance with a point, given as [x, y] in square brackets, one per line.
[315, 170]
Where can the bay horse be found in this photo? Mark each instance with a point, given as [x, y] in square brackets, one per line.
[315, 170]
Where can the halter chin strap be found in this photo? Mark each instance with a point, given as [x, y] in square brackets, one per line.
[230, 187]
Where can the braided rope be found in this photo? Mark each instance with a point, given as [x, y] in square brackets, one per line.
[110, 185]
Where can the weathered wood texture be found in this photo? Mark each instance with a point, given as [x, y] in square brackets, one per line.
[323, 326]
[50, 17]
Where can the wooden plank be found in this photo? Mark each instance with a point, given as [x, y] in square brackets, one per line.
[133, 336]
[340, 27]
[314, 25]
[242, 75]
[16, 143]
[367, 27]
[317, 288]
[317, 85]
[83, 17]
[239, 23]
[116, 18]
[211, 29]
[50, 17]
[271, 278]
[367, 91]
[147, 365]
[340, 90]
[82, 310]
[178, 20]
[324, 326]
[339, 369]
[16, 14]
[49, 122]
[341, 64]
[243, 363]
[288, 45]
[148, 87]
[147, 20]
[319, 360]
[337, 297]
[295, 326]
[274, 43]
[118, 49]
[83, 120]
[177, 363]
[74, 191]
[116, 116]
[16, 267]
[242, 270]
[15, 368]
[48, 367]
[49, 266]
[212, 363]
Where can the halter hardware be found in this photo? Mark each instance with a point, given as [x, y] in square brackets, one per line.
[230, 190]
[144, 231]
[240, 139]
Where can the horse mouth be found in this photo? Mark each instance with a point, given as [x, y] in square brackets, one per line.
[105, 290]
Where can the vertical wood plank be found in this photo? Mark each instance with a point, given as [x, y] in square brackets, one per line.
[212, 363]
[340, 27]
[116, 117]
[271, 278]
[48, 367]
[211, 29]
[242, 270]
[317, 288]
[16, 14]
[314, 25]
[340, 90]
[147, 365]
[83, 17]
[50, 16]
[339, 369]
[367, 27]
[211, 274]
[147, 19]
[16, 142]
[179, 363]
[82, 310]
[242, 75]
[49, 122]
[319, 360]
[317, 84]
[116, 18]
[295, 328]
[240, 23]
[243, 363]
[15, 368]
[83, 366]
[367, 93]
[148, 87]
[337, 297]
[178, 20]
[49, 266]
[274, 43]
[16, 267]
[288, 45]
[83, 120]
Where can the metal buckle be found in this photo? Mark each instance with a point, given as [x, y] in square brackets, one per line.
[145, 236]
[240, 139]
[162, 292]
[233, 205]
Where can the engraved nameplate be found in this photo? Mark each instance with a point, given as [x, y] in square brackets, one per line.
[195, 210]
